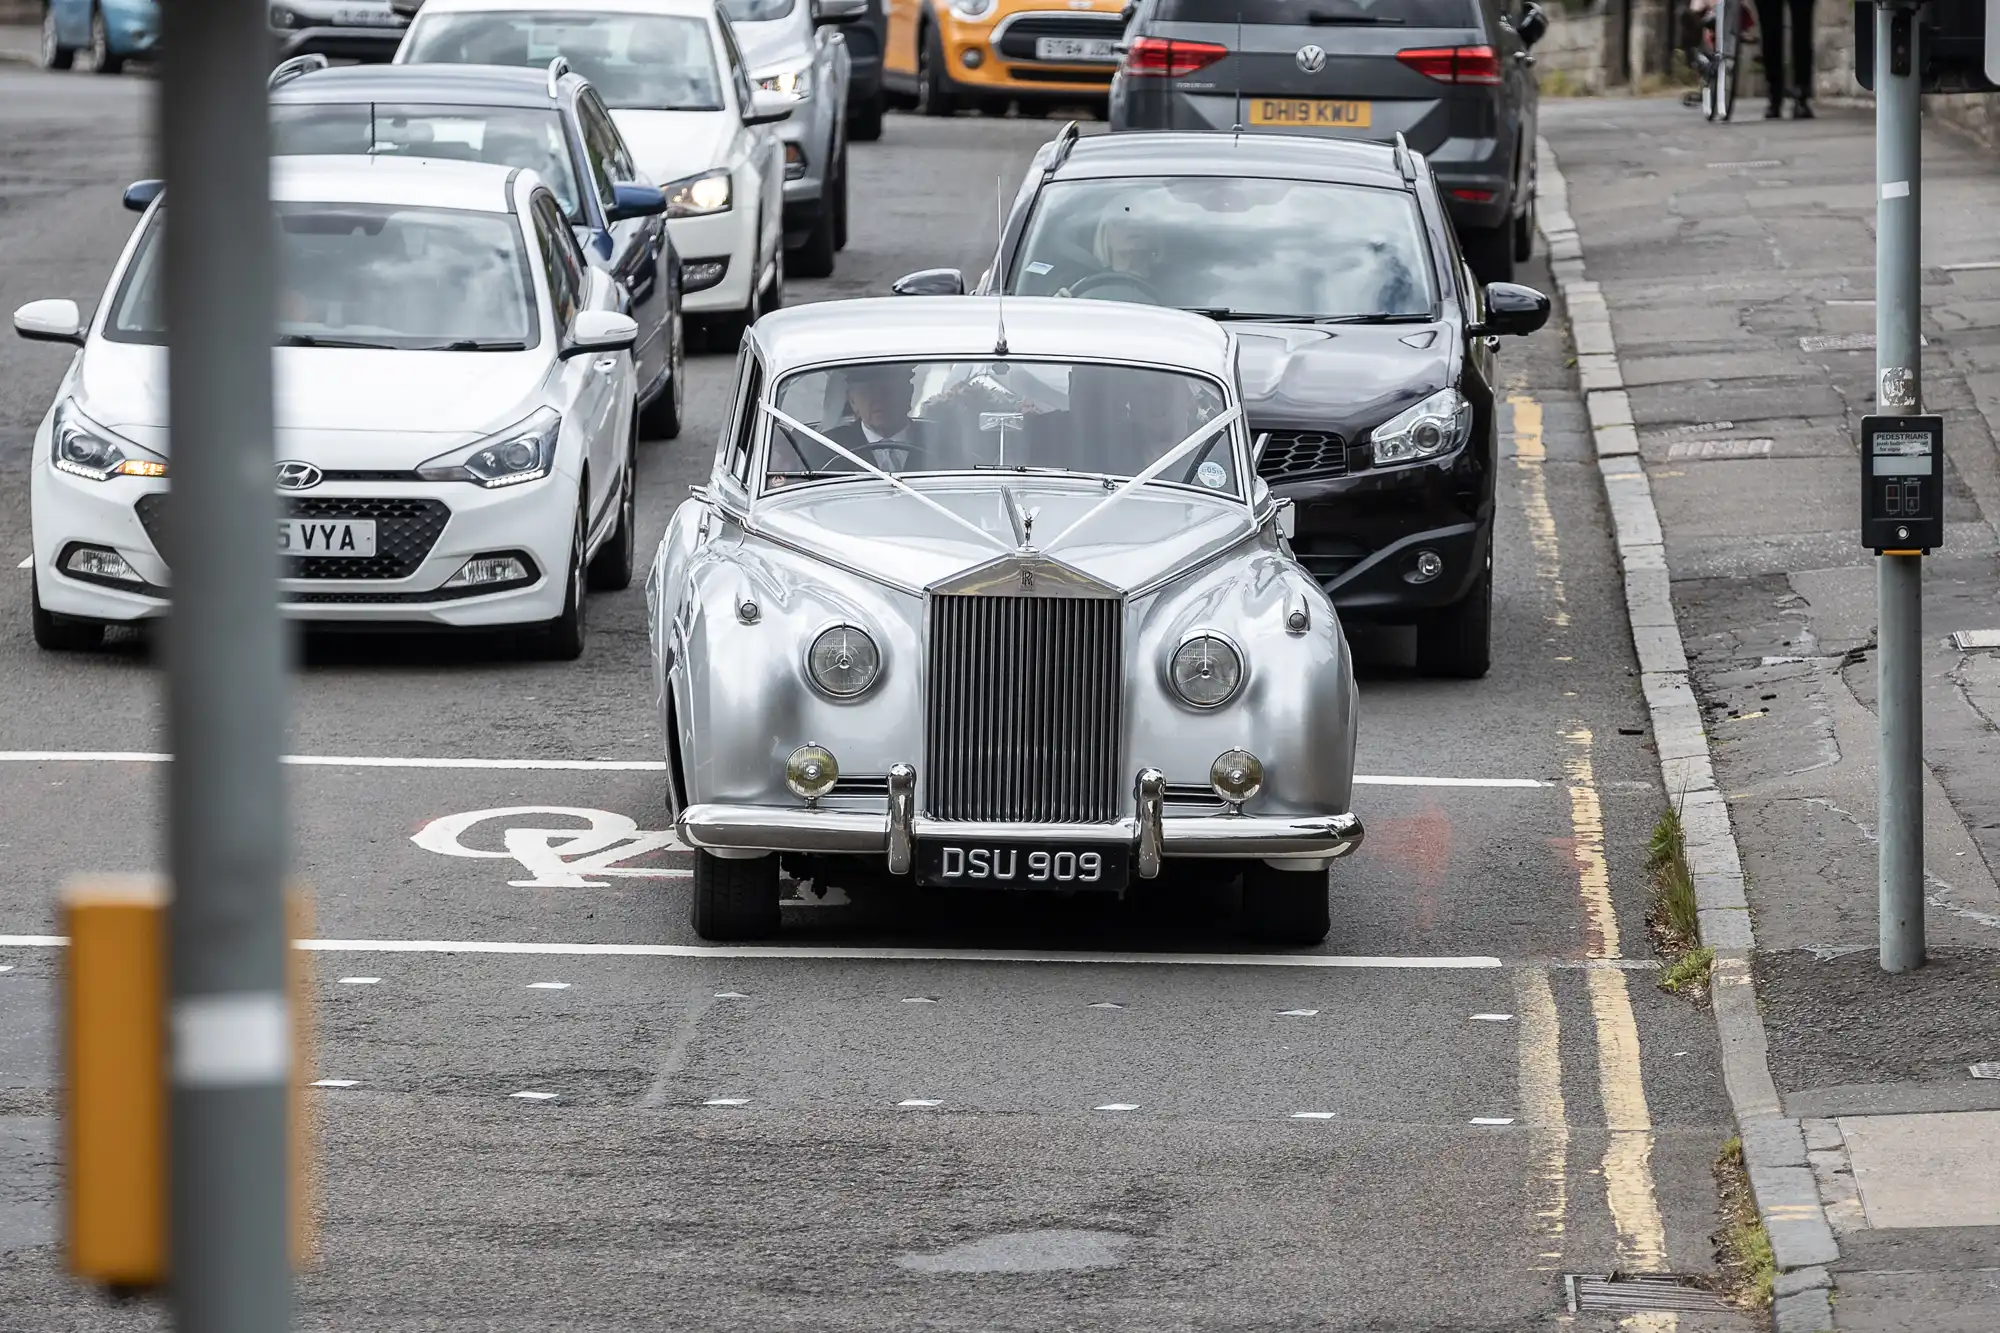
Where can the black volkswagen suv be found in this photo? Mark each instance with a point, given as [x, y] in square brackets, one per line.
[1368, 357]
[1453, 77]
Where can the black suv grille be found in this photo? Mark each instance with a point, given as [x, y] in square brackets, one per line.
[1292, 454]
[1018, 42]
[405, 532]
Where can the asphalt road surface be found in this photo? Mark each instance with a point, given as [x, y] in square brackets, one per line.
[1126, 1120]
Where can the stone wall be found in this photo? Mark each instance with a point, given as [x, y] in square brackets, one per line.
[1578, 53]
[20, 11]
[1833, 76]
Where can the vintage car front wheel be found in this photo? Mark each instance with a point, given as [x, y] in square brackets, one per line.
[1285, 906]
[735, 900]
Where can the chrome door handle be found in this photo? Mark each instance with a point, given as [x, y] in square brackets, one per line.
[605, 365]
[1524, 58]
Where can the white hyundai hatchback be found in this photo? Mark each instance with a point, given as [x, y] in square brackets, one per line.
[674, 79]
[455, 412]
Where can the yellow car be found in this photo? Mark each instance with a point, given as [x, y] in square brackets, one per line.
[948, 55]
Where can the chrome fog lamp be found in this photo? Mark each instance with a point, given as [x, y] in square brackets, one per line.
[1236, 775]
[1206, 670]
[99, 562]
[700, 274]
[811, 771]
[483, 571]
[1429, 564]
[843, 661]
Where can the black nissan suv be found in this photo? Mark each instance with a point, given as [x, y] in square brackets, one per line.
[1453, 77]
[1368, 351]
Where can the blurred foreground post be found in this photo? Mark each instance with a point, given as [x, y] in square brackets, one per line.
[228, 1220]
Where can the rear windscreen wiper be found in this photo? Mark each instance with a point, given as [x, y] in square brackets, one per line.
[1351, 20]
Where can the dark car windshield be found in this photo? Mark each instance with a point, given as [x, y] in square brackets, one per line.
[756, 11]
[503, 135]
[956, 416]
[1309, 13]
[370, 275]
[1305, 249]
[640, 62]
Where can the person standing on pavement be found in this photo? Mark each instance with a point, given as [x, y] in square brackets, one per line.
[1771, 36]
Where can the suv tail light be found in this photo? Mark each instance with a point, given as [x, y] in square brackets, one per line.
[1454, 64]
[1163, 57]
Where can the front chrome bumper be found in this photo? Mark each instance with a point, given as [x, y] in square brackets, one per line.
[1151, 835]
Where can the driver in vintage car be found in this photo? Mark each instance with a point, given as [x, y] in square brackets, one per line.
[876, 424]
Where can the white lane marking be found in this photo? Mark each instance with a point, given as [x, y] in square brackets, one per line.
[918, 999]
[1106, 1004]
[1298, 1013]
[727, 1101]
[6, 967]
[1442, 962]
[556, 858]
[548, 985]
[919, 1101]
[534, 1096]
[597, 765]
[1975, 266]
[1312, 1115]
[1492, 1018]
[334, 1083]
[1493, 1120]
[1118, 1106]
[361, 981]
[731, 995]
[27, 562]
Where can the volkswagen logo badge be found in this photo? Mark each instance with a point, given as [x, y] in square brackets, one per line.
[1311, 59]
[296, 476]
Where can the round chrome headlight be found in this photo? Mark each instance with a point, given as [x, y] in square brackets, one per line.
[843, 661]
[811, 771]
[1206, 670]
[1236, 775]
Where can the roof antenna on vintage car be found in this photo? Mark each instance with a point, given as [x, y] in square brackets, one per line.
[999, 274]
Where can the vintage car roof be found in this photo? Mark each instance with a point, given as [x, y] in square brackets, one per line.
[964, 326]
[1289, 156]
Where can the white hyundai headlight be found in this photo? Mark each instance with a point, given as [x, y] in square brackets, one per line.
[82, 448]
[523, 452]
[972, 9]
[794, 82]
[698, 196]
[1206, 670]
[1437, 425]
[844, 661]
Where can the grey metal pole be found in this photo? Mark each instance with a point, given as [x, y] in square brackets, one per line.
[1899, 578]
[230, 1169]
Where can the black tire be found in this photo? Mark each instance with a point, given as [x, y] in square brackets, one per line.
[934, 94]
[562, 639]
[840, 201]
[1490, 251]
[1285, 907]
[864, 119]
[661, 418]
[814, 257]
[611, 568]
[1458, 641]
[54, 54]
[60, 634]
[734, 900]
[1524, 233]
[103, 60]
[774, 290]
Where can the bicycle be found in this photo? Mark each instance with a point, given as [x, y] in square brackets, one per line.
[1719, 58]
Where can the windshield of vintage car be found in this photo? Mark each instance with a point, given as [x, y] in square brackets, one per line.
[911, 417]
[1308, 250]
[638, 62]
[505, 136]
[370, 275]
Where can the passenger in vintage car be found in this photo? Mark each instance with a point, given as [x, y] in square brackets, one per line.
[966, 605]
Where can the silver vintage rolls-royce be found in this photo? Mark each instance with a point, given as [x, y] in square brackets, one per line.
[989, 595]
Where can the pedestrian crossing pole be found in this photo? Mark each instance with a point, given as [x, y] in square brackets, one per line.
[1899, 573]
[228, 1026]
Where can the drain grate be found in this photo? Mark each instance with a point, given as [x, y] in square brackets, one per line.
[1633, 1292]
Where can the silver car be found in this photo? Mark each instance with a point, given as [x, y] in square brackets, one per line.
[985, 597]
[795, 50]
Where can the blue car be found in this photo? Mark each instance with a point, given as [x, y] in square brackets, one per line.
[107, 32]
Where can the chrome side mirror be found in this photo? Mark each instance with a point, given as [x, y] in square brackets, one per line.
[930, 282]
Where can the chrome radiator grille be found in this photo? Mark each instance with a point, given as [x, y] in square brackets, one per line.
[1024, 703]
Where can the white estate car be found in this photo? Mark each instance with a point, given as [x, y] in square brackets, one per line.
[674, 79]
[455, 410]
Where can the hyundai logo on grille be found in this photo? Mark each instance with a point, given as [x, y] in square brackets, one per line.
[1312, 59]
[295, 476]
